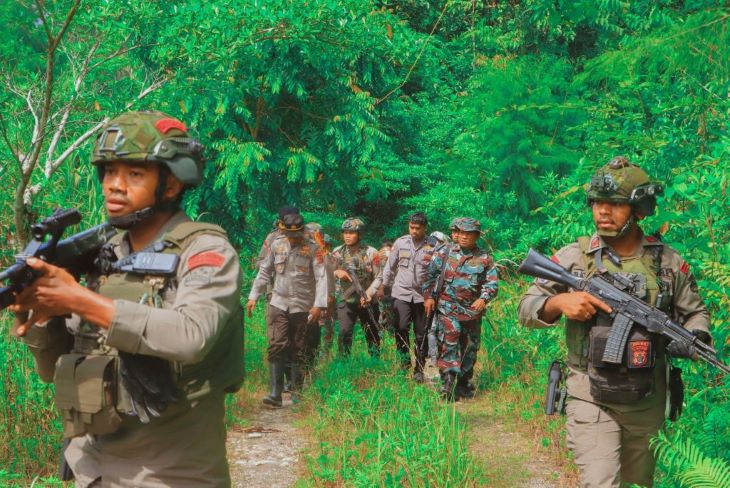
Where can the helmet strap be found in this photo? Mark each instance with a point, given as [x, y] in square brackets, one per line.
[624, 230]
[128, 221]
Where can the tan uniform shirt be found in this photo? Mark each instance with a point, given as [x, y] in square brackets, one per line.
[407, 268]
[299, 274]
[687, 308]
[199, 327]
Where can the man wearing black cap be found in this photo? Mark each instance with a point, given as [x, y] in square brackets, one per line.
[296, 265]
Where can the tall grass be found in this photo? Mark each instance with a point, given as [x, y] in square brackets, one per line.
[375, 427]
[30, 432]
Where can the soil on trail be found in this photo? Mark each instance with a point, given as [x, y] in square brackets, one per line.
[511, 457]
[267, 453]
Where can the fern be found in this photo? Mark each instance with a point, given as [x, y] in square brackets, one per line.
[686, 463]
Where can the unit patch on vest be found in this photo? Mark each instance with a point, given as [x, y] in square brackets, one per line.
[684, 267]
[639, 354]
[208, 258]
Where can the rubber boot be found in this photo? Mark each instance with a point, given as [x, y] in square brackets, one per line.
[449, 385]
[276, 381]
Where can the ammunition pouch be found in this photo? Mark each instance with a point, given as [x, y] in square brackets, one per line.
[86, 394]
[629, 381]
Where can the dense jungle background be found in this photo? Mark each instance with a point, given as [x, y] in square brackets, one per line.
[493, 109]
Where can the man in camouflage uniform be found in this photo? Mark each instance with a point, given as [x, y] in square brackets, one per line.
[613, 411]
[441, 240]
[387, 316]
[406, 271]
[470, 283]
[354, 256]
[142, 357]
[296, 264]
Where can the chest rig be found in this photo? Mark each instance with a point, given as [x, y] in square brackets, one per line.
[94, 387]
[363, 266]
[642, 277]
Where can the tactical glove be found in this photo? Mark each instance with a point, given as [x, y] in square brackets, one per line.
[150, 384]
[681, 349]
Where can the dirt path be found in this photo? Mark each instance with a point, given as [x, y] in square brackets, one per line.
[511, 457]
[268, 452]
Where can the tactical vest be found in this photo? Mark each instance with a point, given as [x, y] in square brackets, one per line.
[363, 269]
[634, 379]
[89, 390]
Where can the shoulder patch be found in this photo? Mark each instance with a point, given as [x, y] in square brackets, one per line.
[207, 258]
[554, 258]
[595, 243]
[684, 267]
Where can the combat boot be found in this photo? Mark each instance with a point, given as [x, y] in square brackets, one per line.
[464, 389]
[276, 381]
[449, 386]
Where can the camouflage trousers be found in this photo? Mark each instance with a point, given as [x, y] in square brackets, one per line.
[387, 314]
[458, 343]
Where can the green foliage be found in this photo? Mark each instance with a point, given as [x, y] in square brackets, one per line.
[377, 428]
[496, 110]
[693, 468]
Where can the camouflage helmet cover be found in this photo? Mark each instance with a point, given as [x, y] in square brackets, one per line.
[150, 136]
[467, 224]
[623, 182]
[353, 224]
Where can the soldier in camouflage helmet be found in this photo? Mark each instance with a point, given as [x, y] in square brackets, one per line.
[470, 283]
[354, 256]
[142, 358]
[614, 410]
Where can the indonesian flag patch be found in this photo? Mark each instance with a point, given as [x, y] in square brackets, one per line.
[208, 258]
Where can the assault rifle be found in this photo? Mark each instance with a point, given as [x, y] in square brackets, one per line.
[438, 288]
[361, 293]
[76, 253]
[627, 310]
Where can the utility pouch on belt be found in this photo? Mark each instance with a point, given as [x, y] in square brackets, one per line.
[86, 394]
[623, 383]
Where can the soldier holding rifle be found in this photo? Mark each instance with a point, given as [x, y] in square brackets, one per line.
[356, 261]
[155, 340]
[614, 409]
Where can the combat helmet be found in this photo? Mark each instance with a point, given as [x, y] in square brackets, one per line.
[353, 224]
[150, 136]
[623, 182]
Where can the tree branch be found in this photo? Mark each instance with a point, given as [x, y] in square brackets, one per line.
[49, 166]
[86, 135]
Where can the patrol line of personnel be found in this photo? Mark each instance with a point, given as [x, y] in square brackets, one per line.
[388, 289]
[142, 358]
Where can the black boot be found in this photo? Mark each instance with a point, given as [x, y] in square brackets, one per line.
[276, 380]
[297, 381]
[449, 385]
[463, 388]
